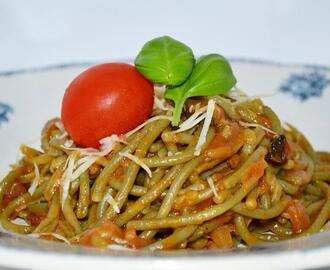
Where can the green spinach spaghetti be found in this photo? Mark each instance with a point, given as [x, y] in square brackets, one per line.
[205, 167]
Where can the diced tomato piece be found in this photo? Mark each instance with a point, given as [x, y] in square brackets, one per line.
[221, 236]
[34, 219]
[113, 234]
[298, 216]
[287, 149]
[219, 139]
[12, 192]
[255, 172]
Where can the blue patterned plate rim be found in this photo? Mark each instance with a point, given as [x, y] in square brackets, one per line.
[88, 63]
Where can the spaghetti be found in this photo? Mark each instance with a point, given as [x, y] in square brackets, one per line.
[229, 175]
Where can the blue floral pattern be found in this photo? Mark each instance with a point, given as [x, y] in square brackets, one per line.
[5, 109]
[305, 85]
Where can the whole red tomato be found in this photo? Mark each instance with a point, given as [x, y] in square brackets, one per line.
[104, 100]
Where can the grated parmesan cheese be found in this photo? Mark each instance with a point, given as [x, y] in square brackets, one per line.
[118, 247]
[197, 187]
[62, 136]
[60, 126]
[211, 184]
[84, 166]
[73, 169]
[137, 161]
[193, 120]
[107, 145]
[68, 143]
[286, 126]
[159, 88]
[206, 125]
[240, 96]
[159, 104]
[82, 160]
[36, 179]
[159, 100]
[20, 221]
[55, 235]
[66, 178]
[112, 202]
[249, 98]
[152, 119]
[245, 124]
[235, 92]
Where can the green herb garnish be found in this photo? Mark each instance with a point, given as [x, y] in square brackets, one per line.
[212, 75]
[165, 60]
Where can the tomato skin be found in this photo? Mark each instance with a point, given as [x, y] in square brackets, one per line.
[34, 219]
[298, 216]
[111, 233]
[15, 190]
[105, 99]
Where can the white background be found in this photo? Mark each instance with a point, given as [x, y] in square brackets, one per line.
[38, 33]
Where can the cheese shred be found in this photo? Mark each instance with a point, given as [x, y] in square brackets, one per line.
[137, 161]
[36, 179]
[55, 235]
[193, 120]
[245, 124]
[212, 186]
[107, 144]
[108, 198]
[83, 167]
[66, 178]
[150, 120]
[160, 104]
[206, 126]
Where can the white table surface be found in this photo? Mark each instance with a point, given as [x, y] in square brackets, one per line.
[38, 33]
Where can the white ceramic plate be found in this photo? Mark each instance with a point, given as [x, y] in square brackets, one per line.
[29, 98]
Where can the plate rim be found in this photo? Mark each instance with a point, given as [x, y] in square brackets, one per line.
[77, 64]
[257, 251]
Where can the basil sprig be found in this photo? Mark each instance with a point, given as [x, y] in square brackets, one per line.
[165, 60]
[211, 76]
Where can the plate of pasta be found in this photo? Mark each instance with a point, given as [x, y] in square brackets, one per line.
[165, 161]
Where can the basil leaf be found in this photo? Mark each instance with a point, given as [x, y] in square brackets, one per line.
[165, 60]
[212, 75]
